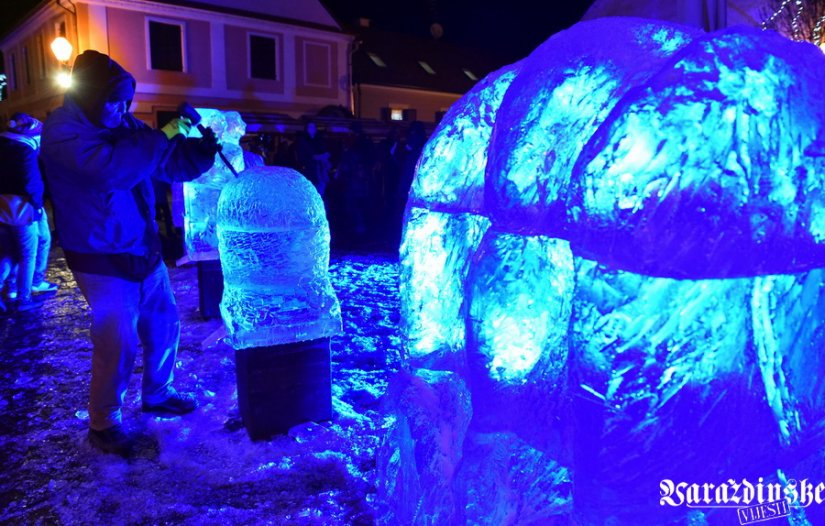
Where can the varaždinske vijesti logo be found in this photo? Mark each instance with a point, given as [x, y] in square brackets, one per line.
[753, 502]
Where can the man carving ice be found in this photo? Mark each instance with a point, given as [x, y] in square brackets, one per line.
[99, 161]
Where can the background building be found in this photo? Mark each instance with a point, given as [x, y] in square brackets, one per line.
[399, 77]
[288, 57]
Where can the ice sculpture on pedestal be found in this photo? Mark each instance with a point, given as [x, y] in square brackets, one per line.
[612, 263]
[278, 304]
[273, 239]
[200, 196]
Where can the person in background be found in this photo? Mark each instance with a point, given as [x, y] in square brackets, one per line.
[24, 219]
[388, 166]
[414, 145]
[356, 172]
[313, 157]
[7, 254]
[99, 162]
[252, 159]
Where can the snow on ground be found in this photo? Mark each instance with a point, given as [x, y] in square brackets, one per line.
[207, 470]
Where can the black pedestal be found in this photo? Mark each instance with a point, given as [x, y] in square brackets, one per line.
[210, 288]
[283, 385]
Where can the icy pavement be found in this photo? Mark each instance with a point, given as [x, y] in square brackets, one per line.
[208, 471]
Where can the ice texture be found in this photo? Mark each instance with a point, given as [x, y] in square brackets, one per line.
[451, 168]
[435, 412]
[563, 93]
[719, 171]
[614, 251]
[273, 239]
[436, 254]
[200, 197]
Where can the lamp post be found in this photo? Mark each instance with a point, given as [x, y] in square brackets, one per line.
[62, 50]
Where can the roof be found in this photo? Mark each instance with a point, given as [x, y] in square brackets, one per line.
[418, 63]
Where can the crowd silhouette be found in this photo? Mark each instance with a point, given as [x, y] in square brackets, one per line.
[363, 179]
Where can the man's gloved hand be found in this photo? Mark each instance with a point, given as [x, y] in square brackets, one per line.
[209, 144]
[177, 126]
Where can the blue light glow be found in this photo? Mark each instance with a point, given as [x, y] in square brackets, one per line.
[436, 252]
[273, 238]
[633, 292]
[200, 197]
[515, 323]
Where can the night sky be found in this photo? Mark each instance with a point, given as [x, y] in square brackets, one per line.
[12, 10]
[511, 27]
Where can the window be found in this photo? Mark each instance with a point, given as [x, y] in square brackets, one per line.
[41, 56]
[13, 73]
[317, 64]
[426, 67]
[165, 46]
[470, 75]
[398, 114]
[377, 60]
[263, 62]
[26, 65]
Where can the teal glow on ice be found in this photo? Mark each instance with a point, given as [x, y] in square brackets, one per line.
[619, 271]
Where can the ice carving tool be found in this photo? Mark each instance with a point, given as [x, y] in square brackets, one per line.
[186, 110]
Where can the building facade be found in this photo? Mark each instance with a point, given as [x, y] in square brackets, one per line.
[406, 78]
[287, 57]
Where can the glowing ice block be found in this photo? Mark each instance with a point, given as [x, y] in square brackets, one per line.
[451, 169]
[633, 292]
[273, 239]
[436, 251]
[717, 175]
[562, 94]
[200, 196]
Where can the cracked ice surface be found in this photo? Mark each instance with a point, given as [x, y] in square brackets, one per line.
[640, 296]
[563, 93]
[720, 171]
[273, 239]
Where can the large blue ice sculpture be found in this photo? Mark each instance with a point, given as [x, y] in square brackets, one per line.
[273, 238]
[612, 275]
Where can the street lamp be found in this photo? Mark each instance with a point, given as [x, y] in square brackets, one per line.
[62, 50]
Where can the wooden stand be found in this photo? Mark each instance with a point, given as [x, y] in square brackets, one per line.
[210, 288]
[283, 385]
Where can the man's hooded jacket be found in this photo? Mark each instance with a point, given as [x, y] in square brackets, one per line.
[100, 178]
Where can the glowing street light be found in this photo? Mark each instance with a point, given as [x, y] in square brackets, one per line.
[64, 79]
[62, 49]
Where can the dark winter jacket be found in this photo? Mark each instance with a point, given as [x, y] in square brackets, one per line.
[100, 180]
[100, 177]
[19, 171]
